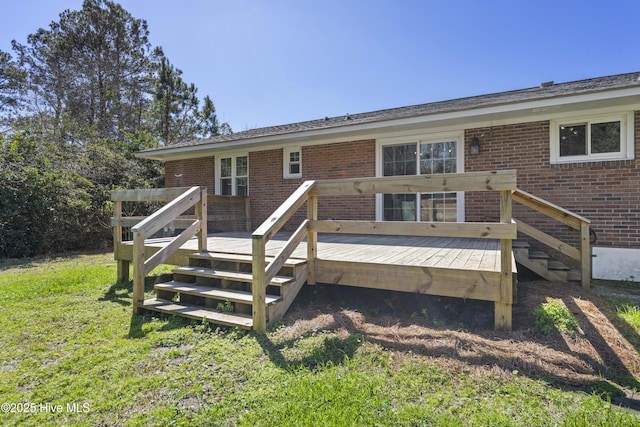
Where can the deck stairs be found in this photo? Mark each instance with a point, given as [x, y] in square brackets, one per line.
[216, 287]
[542, 264]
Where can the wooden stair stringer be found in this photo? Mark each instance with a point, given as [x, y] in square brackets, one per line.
[289, 293]
[540, 266]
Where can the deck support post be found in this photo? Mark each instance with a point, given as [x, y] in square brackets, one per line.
[585, 255]
[259, 285]
[123, 270]
[123, 265]
[138, 270]
[312, 240]
[503, 309]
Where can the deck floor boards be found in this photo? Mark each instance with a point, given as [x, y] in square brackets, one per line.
[439, 252]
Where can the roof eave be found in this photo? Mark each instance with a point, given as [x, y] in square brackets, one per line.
[344, 132]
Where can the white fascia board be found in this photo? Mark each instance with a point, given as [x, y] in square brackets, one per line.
[528, 111]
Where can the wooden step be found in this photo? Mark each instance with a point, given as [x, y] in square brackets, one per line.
[241, 258]
[235, 276]
[557, 265]
[238, 320]
[214, 293]
[538, 255]
[574, 276]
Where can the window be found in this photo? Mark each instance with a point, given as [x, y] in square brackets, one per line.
[421, 158]
[592, 139]
[292, 161]
[233, 176]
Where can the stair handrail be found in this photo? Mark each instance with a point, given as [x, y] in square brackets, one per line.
[194, 196]
[573, 220]
[262, 275]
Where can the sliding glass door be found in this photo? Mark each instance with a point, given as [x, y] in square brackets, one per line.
[421, 158]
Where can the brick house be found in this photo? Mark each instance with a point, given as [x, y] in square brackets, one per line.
[574, 144]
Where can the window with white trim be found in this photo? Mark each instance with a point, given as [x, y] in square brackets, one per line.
[232, 175]
[292, 161]
[590, 139]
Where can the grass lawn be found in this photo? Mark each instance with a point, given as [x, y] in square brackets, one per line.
[71, 353]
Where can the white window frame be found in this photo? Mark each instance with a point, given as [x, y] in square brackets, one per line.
[286, 162]
[626, 137]
[456, 136]
[218, 170]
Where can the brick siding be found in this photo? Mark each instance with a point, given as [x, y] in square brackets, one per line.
[268, 188]
[607, 193]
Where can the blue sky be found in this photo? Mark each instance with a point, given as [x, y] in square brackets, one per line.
[274, 62]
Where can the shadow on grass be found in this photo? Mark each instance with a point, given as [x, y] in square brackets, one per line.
[121, 292]
[595, 362]
[333, 350]
[136, 329]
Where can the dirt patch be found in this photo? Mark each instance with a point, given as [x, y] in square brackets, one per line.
[459, 334]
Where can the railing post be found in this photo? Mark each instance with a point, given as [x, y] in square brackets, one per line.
[202, 215]
[138, 270]
[259, 285]
[247, 213]
[585, 255]
[123, 265]
[503, 308]
[312, 240]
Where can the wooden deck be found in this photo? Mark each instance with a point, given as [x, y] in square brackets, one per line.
[457, 267]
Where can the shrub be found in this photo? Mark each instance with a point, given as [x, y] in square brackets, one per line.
[553, 315]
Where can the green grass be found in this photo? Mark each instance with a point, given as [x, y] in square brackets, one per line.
[68, 337]
[553, 315]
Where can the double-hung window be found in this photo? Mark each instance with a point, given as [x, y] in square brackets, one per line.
[292, 161]
[590, 139]
[232, 175]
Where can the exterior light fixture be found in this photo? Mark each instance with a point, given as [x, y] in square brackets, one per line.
[474, 147]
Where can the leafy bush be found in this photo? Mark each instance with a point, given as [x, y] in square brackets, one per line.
[553, 315]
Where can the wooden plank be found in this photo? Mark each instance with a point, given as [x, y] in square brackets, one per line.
[169, 212]
[214, 293]
[132, 221]
[241, 258]
[549, 209]
[312, 239]
[138, 269]
[289, 294]
[502, 316]
[549, 240]
[201, 214]
[281, 258]
[469, 181]
[163, 254]
[503, 309]
[235, 276]
[480, 285]
[259, 285]
[198, 313]
[285, 211]
[148, 194]
[481, 230]
[585, 252]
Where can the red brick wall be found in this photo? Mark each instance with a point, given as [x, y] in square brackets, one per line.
[186, 173]
[607, 193]
[268, 188]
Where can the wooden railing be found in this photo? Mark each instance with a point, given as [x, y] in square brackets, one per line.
[180, 200]
[578, 223]
[261, 275]
[310, 191]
